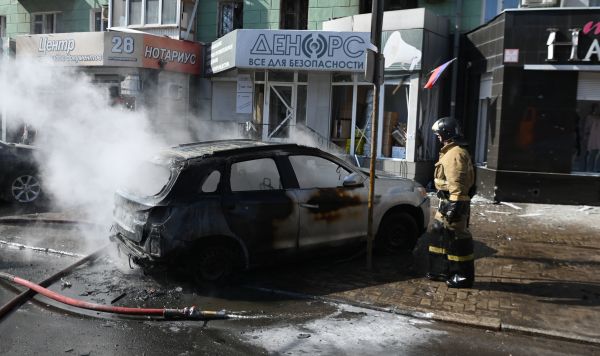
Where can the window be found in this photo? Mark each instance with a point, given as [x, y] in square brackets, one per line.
[2, 26]
[99, 19]
[211, 184]
[135, 12]
[317, 172]
[169, 11]
[258, 174]
[43, 23]
[152, 11]
[293, 15]
[231, 16]
[144, 12]
[388, 5]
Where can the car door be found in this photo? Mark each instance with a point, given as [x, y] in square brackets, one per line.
[329, 212]
[258, 207]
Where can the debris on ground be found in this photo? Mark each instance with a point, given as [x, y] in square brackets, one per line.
[65, 284]
[511, 205]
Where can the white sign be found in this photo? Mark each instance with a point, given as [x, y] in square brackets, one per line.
[302, 50]
[243, 104]
[511, 55]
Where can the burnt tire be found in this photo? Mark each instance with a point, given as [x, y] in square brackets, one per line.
[397, 233]
[24, 188]
[214, 263]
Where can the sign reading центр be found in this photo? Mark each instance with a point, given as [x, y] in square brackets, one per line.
[295, 50]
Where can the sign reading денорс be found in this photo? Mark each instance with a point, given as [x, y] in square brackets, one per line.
[289, 49]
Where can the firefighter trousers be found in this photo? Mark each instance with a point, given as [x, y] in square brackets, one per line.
[451, 249]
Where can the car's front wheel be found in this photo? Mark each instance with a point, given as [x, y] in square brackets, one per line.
[24, 188]
[398, 233]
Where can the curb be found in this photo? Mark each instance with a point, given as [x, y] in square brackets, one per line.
[487, 323]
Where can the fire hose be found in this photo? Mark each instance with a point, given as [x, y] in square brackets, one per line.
[187, 313]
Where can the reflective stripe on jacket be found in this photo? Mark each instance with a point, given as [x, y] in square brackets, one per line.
[454, 172]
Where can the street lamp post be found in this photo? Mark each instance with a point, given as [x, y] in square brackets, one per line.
[377, 80]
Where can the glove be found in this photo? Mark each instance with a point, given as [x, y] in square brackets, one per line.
[455, 210]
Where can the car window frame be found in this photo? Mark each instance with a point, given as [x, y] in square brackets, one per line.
[281, 169]
[323, 155]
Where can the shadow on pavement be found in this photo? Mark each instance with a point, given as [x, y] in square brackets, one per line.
[554, 292]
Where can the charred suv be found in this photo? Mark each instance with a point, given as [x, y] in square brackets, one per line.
[225, 205]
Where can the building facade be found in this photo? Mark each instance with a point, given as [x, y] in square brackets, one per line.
[534, 93]
[143, 62]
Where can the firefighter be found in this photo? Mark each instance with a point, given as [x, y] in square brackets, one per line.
[451, 248]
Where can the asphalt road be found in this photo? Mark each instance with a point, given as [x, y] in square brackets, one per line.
[272, 323]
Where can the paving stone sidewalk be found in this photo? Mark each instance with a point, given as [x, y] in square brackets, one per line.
[537, 271]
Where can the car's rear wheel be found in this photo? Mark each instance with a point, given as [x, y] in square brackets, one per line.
[214, 263]
[24, 188]
[398, 233]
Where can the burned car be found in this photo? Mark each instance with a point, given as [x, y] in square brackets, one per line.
[19, 180]
[225, 205]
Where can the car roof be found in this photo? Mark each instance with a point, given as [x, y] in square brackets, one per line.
[209, 148]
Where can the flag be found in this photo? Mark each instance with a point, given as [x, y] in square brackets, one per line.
[436, 73]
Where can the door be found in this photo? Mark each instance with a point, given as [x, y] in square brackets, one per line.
[329, 212]
[280, 113]
[258, 209]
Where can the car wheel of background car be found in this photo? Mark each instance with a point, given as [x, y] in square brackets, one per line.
[25, 188]
[398, 233]
[213, 263]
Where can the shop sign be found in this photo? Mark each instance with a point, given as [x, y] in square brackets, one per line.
[65, 48]
[592, 50]
[302, 50]
[220, 55]
[245, 90]
[118, 49]
[402, 50]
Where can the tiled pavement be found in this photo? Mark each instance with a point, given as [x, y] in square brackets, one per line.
[537, 271]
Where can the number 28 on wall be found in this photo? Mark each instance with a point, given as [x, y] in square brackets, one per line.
[122, 44]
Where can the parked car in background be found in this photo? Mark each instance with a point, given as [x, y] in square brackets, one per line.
[19, 178]
[225, 205]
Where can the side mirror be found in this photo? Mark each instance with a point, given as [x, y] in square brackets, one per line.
[353, 180]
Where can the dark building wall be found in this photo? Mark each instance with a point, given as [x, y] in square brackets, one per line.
[532, 113]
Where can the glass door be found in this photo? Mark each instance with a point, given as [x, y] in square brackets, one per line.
[280, 111]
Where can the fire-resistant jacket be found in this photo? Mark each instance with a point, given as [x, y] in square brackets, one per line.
[454, 172]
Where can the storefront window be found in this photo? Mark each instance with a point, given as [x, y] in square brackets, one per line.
[341, 115]
[586, 157]
[395, 118]
[301, 105]
[281, 76]
[341, 78]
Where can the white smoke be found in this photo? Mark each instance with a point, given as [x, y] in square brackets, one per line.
[87, 148]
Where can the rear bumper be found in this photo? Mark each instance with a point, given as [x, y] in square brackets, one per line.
[132, 250]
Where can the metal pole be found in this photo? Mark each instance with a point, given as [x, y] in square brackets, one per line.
[457, 24]
[376, 26]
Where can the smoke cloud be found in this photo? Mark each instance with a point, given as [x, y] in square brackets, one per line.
[87, 149]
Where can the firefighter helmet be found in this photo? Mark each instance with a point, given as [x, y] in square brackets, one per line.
[447, 128]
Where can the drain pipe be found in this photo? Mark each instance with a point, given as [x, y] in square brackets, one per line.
[188, 313]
